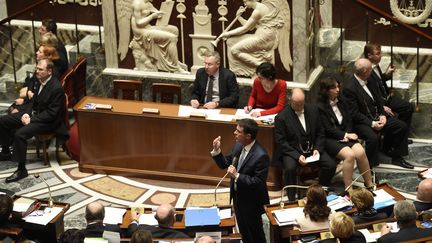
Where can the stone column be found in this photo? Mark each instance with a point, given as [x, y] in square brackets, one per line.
[300, 49]
[110, 34]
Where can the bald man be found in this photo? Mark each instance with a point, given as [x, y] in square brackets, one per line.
[367, 111]
[94, 215]
[424, 195]
[298, 135]
[205, 239]
[165, 215]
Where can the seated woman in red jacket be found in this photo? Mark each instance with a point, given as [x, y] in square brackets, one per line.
[268, 93]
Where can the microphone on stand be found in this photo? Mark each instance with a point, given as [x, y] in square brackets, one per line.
[234, 163]
[50, 200]
[282, 204]
[355, 180]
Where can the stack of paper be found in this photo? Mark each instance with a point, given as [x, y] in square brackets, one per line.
[339, 203]
[383, 199]
[148, 219]
[45, 218]
[287, 216]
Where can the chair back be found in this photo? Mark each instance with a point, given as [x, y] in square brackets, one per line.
[128, 89]
[167, 93]
[80, 69]
[67, 81]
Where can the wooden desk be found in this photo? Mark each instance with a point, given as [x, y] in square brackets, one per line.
[225, 226]
[278, 233]
[161, 146]
[49, 232]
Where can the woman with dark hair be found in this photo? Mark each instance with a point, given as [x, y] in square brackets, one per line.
[268, 93]
[341, 142]
[316, 212]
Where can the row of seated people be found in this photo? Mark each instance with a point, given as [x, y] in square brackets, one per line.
[318, 216]
[39, 106]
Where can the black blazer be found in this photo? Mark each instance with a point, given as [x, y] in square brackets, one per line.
[405, 234]
[330, 123]
[228, 87]
[251, 184]
[362, 107]
[157, 232]
[97, 229]
[289, 132]
[379, 84]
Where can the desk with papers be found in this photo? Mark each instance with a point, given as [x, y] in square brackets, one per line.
[166, 145]
[284, 229]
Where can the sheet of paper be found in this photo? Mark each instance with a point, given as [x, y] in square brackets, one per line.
[220, 117]
[312, 158]
[185, 111]
[381, 196]
[241, 114]
[287, 215]
[339, 203]
[225, 213]
[114, 215]
[148, 218]
[43, 219]
[370, 237]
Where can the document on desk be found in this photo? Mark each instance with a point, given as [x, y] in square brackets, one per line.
[339, 203]
[219, 117]
[241, 114]
[201, 217]
[383, 199]
[148, 218]
[22, 204]
[187, 111]
[287, 216]
[43, 219]
[225, 213]
[114, 215]
[370, 237]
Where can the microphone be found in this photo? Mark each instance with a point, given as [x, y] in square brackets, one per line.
[50, 200]
[234, 163]
[282, 204]
[355, 180]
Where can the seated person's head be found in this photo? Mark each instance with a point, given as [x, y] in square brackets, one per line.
[297, 99]
[49, 39]
[95, 212]
[362, 199]
[316, 203]
[424, 190]
[341, 225]
[165, 215]
[266, 70]
[405, 213]
[141, 236]
[6, 207]
[205, 239]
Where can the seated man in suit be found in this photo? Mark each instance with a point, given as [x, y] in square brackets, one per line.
[165, 215]
[393, 105]
[94, 215]
[298, 135]
[247, 164]
[214, 86]
[45, 114]
[405, 214]
[367, 111]
[424, 195]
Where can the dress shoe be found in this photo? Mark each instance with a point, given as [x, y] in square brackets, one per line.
[16, 176]
[399, 161]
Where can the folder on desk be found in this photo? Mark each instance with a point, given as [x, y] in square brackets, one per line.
[201, 217]
[384, 204]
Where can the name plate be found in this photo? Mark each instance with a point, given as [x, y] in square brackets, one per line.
[104, 106]
[150, 110]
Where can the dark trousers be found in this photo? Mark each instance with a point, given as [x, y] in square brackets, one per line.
[327, 170]
[403, 108]
[13, 131]
[249, 221]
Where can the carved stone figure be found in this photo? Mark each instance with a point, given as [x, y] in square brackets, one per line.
[271, 21]
[153, 47]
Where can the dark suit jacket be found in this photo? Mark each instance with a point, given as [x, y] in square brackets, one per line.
[96, 230]
[330, 123]
[379, 84]
[289, 133]
[228, 87]
[251, 184]
[49, 107]
[157, 232]
[361, 106]
[405, 234]
[422, 206]
[356, 237]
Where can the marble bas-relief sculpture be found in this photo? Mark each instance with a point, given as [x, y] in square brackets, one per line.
[271, 21]
[153, 47]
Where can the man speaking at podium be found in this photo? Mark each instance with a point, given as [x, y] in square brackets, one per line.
[247, 165]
